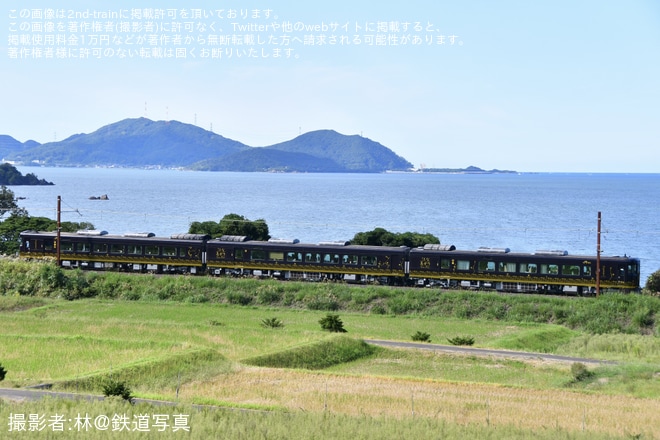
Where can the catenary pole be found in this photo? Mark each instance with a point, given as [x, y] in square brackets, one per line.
[598, 258]
[59, 227]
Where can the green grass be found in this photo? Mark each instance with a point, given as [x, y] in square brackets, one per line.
[542, 339]
[464, 368]
[316, 356]
[158, 346]
[164, 374]
[94, 337]
[154, 346]
[625, 348]
[612, 312]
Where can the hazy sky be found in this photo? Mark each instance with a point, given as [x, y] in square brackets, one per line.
[547, 85]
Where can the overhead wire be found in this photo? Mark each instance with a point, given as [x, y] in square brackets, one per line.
[359, 227]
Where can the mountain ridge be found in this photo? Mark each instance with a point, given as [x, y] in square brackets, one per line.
[143, 143]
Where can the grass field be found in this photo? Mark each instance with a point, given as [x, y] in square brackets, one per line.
[202, 354]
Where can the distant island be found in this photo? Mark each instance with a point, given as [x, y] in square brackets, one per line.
[143, 143]
[147, 144]
[468, 170]
[9, 175]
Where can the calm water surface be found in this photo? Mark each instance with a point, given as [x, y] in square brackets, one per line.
[524, 212]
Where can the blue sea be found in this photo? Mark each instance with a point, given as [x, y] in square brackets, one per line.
[524, 212]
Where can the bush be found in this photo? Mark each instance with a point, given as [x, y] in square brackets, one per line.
[269, 294]
[378, 309]
[461, 340]
[77, 286]
[644, 318]
[51, 278]
[332, 323]
[3, 373]
[421, 337]
[242, 299]
[653, 283]
[322, 301]
[580, 372]
[271, 323]
[324, 354]
[117, 388]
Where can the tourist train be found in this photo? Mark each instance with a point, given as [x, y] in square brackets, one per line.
[431, 265]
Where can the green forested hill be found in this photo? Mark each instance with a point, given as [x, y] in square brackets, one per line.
[9, 175]
[134, 143]
[144, 143]
[354, 153]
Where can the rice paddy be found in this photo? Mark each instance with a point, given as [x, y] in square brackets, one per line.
[201, 354]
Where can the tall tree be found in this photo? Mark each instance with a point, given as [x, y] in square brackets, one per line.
[383, 237]
[232, 224]
[8, 202]
[12, 226]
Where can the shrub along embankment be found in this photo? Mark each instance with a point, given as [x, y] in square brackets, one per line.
[157, 373]
[324, 354]
[611, 312]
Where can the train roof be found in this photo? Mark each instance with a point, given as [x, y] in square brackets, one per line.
[497, 253]
[480, 253]
[296, 244]
[129, 236]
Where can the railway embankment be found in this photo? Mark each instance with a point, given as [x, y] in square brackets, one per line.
[610, 313]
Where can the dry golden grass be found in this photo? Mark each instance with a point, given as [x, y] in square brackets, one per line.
[462, 403]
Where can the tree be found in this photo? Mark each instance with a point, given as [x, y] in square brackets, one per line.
[9, 175]
[653, 283]
[11, 228]
[383, 237]
[19, 221]
[8, 202]
[207, 228]
[118, 388]
[332, 323]
[232, 224]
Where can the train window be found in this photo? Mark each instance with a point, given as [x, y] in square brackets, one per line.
[258, 254]
[294, 256]
[49, 245]
[550, 269]
[101, 248]
[632, 269]
[66, 247]
[238, 254]
[507, 267]
[463, 264]
[312, 258]
[528, 268]
[82, 247]
[445, 263]
[570, 269]
[151, 250]
[134, 249]
[276, 256]
[586, 271]
[486, 266]
[368, 260]
[349, 259]
[32, 244]
[331, 258]
[117, 249]
[169, 251]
